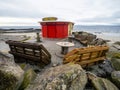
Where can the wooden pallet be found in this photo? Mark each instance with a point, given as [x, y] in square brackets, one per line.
[86, 56]
[29, 52]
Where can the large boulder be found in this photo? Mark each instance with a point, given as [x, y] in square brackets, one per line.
[118, 43]
[103, 69]
[116, 63]
[84, 37]
[116, 78]
[11, 75]
[101, 83]
[98, 41]
[63, 77]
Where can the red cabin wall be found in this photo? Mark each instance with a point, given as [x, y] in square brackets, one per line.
[65, 30]
[54, 29]
[44, 30]
[51, 31]
[59, 31]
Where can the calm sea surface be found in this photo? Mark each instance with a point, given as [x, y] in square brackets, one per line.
[104, 29]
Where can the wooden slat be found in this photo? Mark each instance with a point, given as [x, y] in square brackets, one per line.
[45, 50]
[23, 44]
[25, 56]
[91, 60]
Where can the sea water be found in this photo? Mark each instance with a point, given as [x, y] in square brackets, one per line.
[95, 29]
[108, 32]
[111, 33]
[99, 28]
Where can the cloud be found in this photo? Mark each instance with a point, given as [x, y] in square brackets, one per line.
[111, 19]
[116, 14]
[78, 11]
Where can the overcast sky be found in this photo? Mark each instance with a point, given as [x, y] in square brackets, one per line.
[83, 12]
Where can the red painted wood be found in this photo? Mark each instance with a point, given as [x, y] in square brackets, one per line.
[51, 31]
[65, 30]
[44, 30]
[59, 31]
[55, 29]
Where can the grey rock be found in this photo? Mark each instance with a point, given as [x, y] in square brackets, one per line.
[116, 63]
[117, 42]
[11, 75]
[63, 77]
[107, 67]
[116, 78]
[102, 70]
[101, 83]
[84, 37]
[98, 41]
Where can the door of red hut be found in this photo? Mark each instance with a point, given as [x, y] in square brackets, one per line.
[51, 31]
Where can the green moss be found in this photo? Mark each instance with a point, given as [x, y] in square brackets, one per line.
[23, 65]
[7, 81]
[116, 63]
[111, 54]
[116, 55]
[28, 77]
[103, 84]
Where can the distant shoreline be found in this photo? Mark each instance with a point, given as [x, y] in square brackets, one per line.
[19, 30]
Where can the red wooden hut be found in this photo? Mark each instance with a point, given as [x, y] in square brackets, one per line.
[55, 29]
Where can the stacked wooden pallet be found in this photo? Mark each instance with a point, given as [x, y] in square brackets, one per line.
[29, 52]
[86, 56]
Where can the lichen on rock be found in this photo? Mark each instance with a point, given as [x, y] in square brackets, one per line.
[63, 77]
[7, 81]
[101, 83]
[116, 63]
[116, 78]
[116, 55]
[11, 75]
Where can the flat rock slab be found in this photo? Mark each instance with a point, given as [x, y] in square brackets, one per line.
[117, 46]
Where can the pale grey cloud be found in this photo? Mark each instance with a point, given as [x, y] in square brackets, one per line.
[78, 11]
[112, 19]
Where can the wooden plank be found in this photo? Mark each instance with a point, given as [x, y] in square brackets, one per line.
[43, 48]
[23, 44]
[91, 60]
[46, 60]
[25, 56]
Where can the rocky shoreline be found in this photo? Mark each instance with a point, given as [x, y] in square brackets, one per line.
[102, 76]
[70, 76]
[19, 30]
